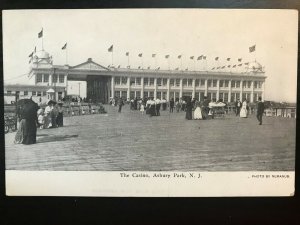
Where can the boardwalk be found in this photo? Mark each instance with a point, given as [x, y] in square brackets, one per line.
[131, 141]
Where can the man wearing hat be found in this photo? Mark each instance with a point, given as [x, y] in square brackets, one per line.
[260, 110]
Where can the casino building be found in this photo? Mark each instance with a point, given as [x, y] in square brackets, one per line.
[228, 84]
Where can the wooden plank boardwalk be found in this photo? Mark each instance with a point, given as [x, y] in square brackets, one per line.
[130, 141]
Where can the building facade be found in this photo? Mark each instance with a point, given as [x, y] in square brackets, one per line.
[245, 82]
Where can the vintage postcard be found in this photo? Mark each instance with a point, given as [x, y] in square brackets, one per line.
[150, 102]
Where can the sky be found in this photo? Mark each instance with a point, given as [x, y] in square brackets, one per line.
[187, 32]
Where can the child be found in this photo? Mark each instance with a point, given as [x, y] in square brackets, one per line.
[41, 118]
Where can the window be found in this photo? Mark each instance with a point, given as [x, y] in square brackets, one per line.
[249, 84]
[221, 96]
[225, 97]
[232, 97]
[221, 83]
[226, 83]
[209, 83]
[233, 83]
[165, 80]
[138, 81]
[132, 95]
[177, 82]
[214, 96]
[184, 82]
[138, 94]
[238, 84]
[146, 82]
[117, 82]
[151, 81]
[201, 96]
[17, 92]
[46, 78]
[190, 82]
[145, 94]
[158, 82]
[33, 93]
[124, 94]
[158, 95]
[117, 94]
[254, 97]
[214, 83]
[54, 79]
[255, 84]
[9, 92]
[39, 78]
[132, 81]
[25, 93]
[172, 82]
[124, 80]
[260, 84]
[151, 94]
[164, 95]
[61, 78]
[244, 84]
[202, 83]
[44, 93]
[197, 83]
[39, 93]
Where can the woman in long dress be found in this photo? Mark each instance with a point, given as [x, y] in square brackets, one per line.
[198, 112]
[244, 112]
[31, 122]
[188, 110]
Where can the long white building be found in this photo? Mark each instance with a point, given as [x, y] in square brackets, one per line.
[246, 81]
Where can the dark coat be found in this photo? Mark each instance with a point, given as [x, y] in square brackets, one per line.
[260, 108]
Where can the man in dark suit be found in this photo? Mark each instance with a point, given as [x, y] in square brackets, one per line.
[238, 106]
[260, 110]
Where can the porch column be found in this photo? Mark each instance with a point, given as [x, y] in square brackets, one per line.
[142, 87]
[180, 91]
[168, 89]
[112, 87]
[194, 88]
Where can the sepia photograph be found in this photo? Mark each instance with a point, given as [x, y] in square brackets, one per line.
[150, 102]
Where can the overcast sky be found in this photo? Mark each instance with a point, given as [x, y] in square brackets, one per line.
[187, 32]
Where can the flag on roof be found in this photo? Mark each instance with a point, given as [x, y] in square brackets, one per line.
[229, 66]
[153, 55]
[111, 48]
[177, 68]
[234, 66]
[200, 57]
[127, 53]
[204, 57]
[31, 54]
[223, 67]
[179, 57]
[64, 47]
[252, 48]
[158, 68]
[246, 63]
[213, 68]
[40, 34]
[240, 64]
[216, 58]
[240, 59]
[167, 56]
[192, 57]
[119, 66]
[141, 54]
[148, 68]
[228, 59]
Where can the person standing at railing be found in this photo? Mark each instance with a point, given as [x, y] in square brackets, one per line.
[60, 115]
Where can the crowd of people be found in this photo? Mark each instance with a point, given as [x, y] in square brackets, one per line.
[31, 116]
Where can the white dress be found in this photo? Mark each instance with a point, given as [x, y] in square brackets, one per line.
[243, 112]
[198, 113]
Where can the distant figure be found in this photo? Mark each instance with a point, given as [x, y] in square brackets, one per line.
[41, 118]
[189, 109]
[238, 106]
[198, 111]
[171, 105]
[260, 110]
[205, 107]
[60, 116]
[244, 111]
[142, 108]
[120, 104]
[157, 107]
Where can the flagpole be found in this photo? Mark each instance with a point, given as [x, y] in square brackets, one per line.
[128, 60]
[66, 55]
[112, 57]
[181, 62]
